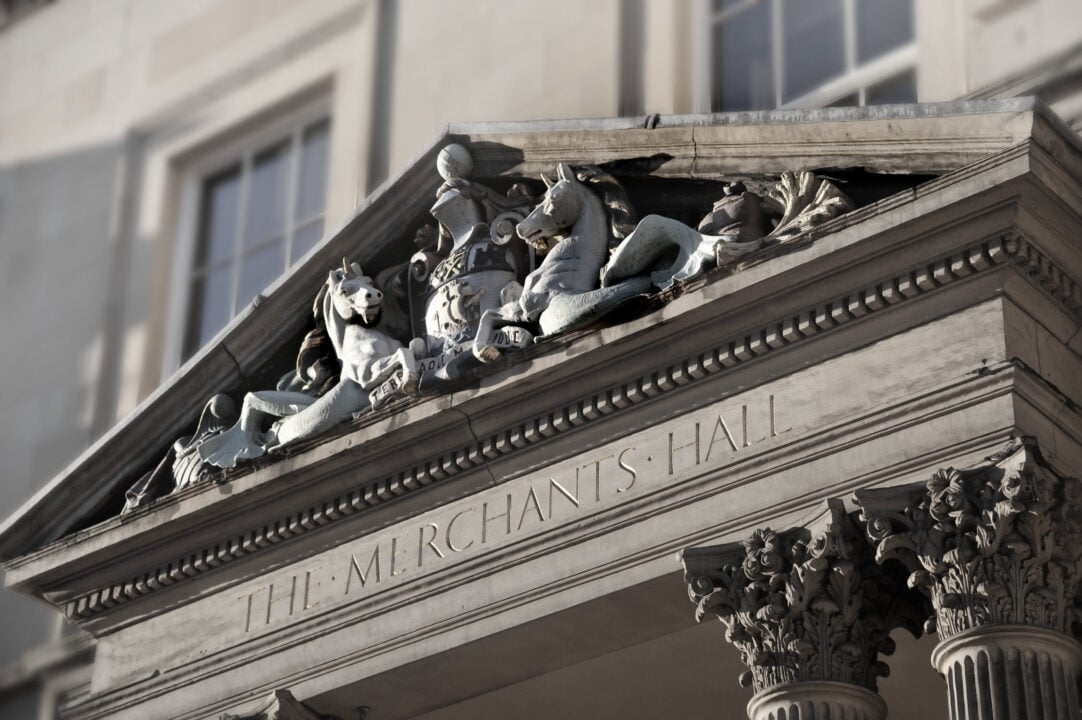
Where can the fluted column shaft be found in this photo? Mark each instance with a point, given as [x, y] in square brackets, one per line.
[1010, 672]
[817, 700]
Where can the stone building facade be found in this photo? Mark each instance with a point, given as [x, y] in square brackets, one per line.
[136, 128]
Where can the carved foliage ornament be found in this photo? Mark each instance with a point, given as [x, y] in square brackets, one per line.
[802, 605]
[997, 544]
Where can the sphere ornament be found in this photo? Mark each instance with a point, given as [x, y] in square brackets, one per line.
[454, 161]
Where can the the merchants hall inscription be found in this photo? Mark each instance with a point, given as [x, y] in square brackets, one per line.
[524, 506]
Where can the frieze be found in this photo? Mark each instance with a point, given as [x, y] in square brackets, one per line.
[516, 518]
[729, 353]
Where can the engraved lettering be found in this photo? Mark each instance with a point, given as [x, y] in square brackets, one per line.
[597, 475]
[720, 425]
[673, 448]
[355, 569]
[395, 552]
[774, 432]
[744, 413]
[626, 468]
[531, 501]
[308, 588]
[431, 542]
[248, 612]
[450, 527]
[271, 599]
[485, 519]
[554, 485]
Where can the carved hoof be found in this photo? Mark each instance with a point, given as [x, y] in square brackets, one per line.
[486, 353]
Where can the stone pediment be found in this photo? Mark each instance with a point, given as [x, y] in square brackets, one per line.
[781, 239]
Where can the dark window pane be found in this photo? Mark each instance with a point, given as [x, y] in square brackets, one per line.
[898, 89]
[813, 45]
[258, 270]
[267, 192]
[743, 74]
[218, 222]
[22, 703]
[305, 238]
[211, 307]
[312, 183]
[882, 25]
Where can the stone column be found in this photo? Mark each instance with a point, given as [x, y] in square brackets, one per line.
[996, 550]
[810, 612]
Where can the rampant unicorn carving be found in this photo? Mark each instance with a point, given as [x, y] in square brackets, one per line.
[582, 216]
[347, 311]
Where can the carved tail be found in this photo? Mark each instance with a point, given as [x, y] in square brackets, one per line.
[571, 312]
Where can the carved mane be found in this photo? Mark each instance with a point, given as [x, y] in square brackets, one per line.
[317, 367]
[618, 208]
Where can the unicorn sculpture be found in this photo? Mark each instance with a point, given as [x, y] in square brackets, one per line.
[583, 215]
[310, 400]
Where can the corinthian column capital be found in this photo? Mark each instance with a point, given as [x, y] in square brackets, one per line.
[805, 605]
[996, 549]
[996, 544]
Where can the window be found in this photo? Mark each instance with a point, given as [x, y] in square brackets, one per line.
[256, 216]
[765, 54]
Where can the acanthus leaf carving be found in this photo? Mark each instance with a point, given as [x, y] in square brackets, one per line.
[803, 605]
[996, 544]
[804, 201]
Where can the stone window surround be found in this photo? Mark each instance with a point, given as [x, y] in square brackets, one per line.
[236, 142]
[855, 80]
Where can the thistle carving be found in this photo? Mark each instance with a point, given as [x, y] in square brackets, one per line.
[803, 605]
[997, 544]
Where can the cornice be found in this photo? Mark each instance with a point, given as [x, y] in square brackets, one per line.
[1004, 250]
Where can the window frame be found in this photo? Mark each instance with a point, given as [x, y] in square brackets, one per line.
[855, 80]
[236, 145]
